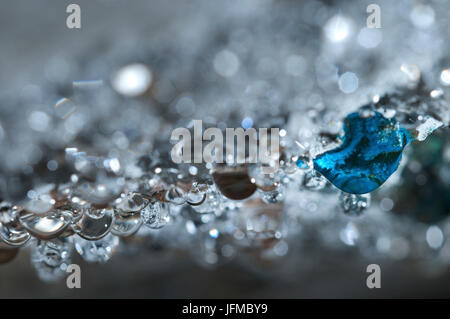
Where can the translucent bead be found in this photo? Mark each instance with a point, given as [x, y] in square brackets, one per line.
[130, 203]
[12, 234]
[99, 251]
[95, 223]
[46, 227]
[273, 197]
[354, 204]
[126, 225]
[51, 258]
[211, 204]
[314, 180]
[156, 215]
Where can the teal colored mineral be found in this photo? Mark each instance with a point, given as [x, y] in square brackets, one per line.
[371, 152]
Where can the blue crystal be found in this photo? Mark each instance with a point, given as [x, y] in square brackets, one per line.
[371, 152]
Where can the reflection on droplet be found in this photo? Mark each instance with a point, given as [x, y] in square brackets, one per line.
[132, 80]
[412, 71]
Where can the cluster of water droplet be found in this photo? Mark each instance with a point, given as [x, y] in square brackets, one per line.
[105, 177]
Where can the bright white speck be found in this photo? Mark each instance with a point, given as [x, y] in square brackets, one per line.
[193, 170]
[445, 77]
[132, 80]
[337, 29]
[349, 235]
[213, 233]
[348, 82]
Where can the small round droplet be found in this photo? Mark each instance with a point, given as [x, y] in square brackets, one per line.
[314, 180]
[99, 251]
[156, 215]
[354, 204]
[50, 258]
[130, 203]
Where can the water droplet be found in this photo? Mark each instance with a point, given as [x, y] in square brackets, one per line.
[175, 195]
[92, 227]
[314, 180]
[46, 227]
[211, 204]
[273, 197]
[234, 182]
[156, 215]
[126, 225]
[354, 204]
[50, 258]
[99, 251]
[11, 232]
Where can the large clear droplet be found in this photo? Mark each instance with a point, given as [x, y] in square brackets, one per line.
[46, 227]
[126, 225]
[92, 228]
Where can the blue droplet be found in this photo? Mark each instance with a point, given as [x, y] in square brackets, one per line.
[371, 152]
[247, 123]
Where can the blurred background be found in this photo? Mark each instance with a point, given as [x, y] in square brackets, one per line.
[270, 61]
